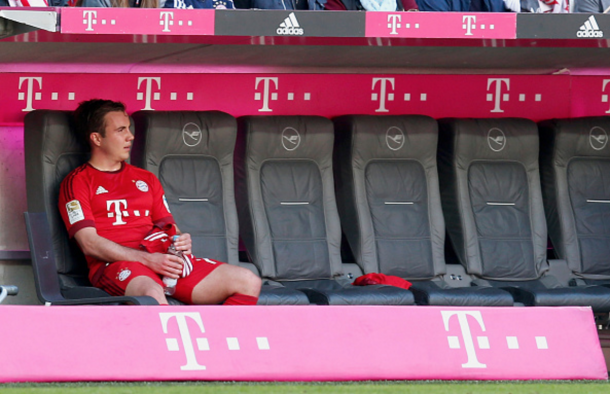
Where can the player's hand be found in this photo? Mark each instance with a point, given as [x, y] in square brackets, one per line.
[184, 243]
[165, 264]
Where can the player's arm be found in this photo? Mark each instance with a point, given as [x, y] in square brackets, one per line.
[103, 249]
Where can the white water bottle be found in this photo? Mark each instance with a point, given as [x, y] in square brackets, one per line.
[170, 283]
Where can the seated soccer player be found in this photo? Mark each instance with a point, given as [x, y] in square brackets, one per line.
[110, 206]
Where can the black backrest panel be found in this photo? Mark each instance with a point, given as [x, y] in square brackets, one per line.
[492, 200]
[193, 188]
[575, 164]
[191, 152]
[589, 186]
[285, 195]
[389, 199]
[397, 197]
[292, 196]
[499, 196]
[52, 150]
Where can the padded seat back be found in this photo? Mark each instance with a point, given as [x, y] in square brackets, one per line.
[285, 196]
[575, 164]
[52, 150]
[492, 202]
[192, 155]
[387, 189]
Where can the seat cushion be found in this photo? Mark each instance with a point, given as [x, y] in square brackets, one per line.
[331, 292]
[439, 293]
[280, 295]
[535, 293]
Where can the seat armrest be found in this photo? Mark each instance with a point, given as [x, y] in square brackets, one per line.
[45, 270]
[560, 270]
[456, 276]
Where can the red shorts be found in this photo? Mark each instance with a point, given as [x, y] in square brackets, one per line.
[116, 276]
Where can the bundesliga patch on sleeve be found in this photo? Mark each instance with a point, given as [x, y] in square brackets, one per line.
[75, 212]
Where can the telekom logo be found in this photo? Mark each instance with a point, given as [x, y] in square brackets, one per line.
[148, 95]
[267, 94]
[29, 95]
[468, 23]
[454, 341]
[117, 206]
[167, 20]
[383, 94]
[605, 96]
[185, 337]
[89, 19]
[193, 342]
[394, 23]
[497, 96]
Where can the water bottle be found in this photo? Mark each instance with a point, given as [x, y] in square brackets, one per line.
[170, 283]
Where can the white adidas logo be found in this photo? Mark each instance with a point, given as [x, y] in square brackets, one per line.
[590, 29]
[101, 190]
[290, 26]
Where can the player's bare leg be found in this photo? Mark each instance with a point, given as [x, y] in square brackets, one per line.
[224, 282]
[145, 286]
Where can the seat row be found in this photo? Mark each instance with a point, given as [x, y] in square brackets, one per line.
[393, 185]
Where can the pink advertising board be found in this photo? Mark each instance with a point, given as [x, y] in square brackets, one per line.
[297, 343]
[441, 24]
[534, 97]
[530, 96]
[148, 21]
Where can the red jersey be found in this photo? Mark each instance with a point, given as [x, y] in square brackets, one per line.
[122, 205]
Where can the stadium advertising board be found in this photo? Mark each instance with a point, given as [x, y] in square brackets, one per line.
[297, 343]
[441, 25]
[533, 97]
[149, 21]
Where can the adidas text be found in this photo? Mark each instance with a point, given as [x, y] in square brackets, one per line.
[293, 31]
[590, 33]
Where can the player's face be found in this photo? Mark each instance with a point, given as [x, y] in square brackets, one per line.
[118, 140]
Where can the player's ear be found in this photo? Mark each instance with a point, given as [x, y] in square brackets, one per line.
[96, 138]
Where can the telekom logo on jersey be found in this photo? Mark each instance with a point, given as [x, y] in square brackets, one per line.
[118, 209]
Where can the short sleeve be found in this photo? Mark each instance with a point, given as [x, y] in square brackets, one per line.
[74, 202]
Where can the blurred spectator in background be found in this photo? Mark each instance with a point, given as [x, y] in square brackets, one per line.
[462, 5]
[592, 6]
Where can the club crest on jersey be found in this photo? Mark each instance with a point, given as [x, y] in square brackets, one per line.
[75, 212]
[123, 274]
[142, 186]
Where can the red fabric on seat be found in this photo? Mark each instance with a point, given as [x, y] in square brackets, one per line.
[381, 279]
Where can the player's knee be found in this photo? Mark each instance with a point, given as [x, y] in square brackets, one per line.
[143, 286]
[157, 294]
[251, 283]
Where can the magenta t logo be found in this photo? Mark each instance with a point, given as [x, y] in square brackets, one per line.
[382, 96]
[267, 94]
[29, 95]
[497, 96]
[466, 335]
[185, 337]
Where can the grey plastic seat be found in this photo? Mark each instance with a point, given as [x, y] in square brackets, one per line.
[390, 208]
[52, 150]
[191, 152]
[575, 170]
[287, 209]
[492, 203]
